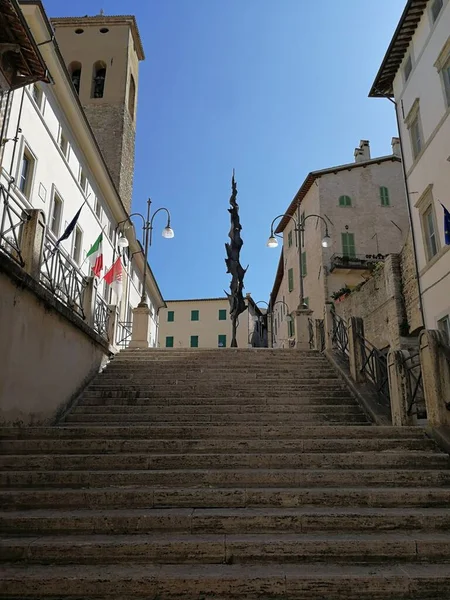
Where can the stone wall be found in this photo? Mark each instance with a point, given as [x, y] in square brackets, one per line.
[410, 287]
[380, 303]
[47, 354]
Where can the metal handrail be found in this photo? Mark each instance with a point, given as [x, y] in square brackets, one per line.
[102, 314]
[124, 329]
[321, 328]
[311, 332]
[340, 335]
[375, 369]
[415, 392]
[13, 217]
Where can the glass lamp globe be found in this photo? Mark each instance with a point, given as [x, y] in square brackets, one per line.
[168, 233]
[326, 242]
[122, 242]
[272, 242]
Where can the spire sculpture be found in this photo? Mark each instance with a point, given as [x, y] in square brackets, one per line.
[234, 267]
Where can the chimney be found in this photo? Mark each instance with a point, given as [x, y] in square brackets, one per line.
[396, 150]
[363, 152]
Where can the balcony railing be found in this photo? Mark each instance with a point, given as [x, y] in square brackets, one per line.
[101, 317]
[357, 261]
[12, 218]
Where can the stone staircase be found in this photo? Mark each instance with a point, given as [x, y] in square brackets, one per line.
[225, 474]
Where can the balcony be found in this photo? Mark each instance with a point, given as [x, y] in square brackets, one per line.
[361, 262]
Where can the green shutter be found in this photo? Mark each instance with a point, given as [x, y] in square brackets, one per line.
[291, 328]
[304, 267]
[222, 314]
[169, 342]
[345, 201]
[348, 245]
[290, 239]
[291, 279]
[384, 196]
[171, 316]
[195, 314]
[222, 341]
[194, 341]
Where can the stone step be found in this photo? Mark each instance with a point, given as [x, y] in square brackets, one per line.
[210, 402]
[180, 397]
[226, 582]
[304, 460]
[217, 410]
[265, 376]
[227, 549]
[107, 446]
[205, 431]
[224, 520]
[228, 497]
[220, 386]
[305, 418]
[228, 478]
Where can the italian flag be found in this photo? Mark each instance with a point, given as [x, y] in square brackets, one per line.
[114, 278]
[95, 256]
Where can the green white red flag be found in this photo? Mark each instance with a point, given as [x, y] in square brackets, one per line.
[95, 256]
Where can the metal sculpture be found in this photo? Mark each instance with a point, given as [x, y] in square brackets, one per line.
[234, 267]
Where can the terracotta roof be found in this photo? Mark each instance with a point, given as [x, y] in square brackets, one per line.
[278, 279]
[383, 84]
[311, 178]
[103, 20]
[27, 62]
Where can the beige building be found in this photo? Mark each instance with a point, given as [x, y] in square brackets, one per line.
[203, 323]
[363, 205]
[416, 73]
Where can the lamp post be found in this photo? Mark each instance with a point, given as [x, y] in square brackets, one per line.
[147, 228]
[299, 229]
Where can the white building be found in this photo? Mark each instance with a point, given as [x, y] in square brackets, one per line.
[416, 73]
[51, 161]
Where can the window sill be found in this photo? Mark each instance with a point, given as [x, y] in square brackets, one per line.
[434, 260]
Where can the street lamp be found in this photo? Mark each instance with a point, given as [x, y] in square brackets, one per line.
[299, 229]
[147, 228]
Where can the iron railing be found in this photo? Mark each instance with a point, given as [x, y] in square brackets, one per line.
[102, 313]
[414, 382]
[340, 335]
[62, 278]
[123, 335]
[311, 333]
[321, 332]
[13, 217]
[357, 261]
[375, 369]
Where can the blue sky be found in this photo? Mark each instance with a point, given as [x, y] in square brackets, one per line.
[273, 89]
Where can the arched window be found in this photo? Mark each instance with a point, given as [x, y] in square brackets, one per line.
[98, 80]
[132, 96]
[75, 75]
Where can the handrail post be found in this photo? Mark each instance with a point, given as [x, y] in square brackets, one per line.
[89, 300]
[113, 323]
[399, 389]
[355, 348]
[328, 324]
[32, 243]
[436, 377]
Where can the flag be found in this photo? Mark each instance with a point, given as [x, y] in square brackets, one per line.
[114, 278]
[95, 256]
[446, 225]
[70, 227]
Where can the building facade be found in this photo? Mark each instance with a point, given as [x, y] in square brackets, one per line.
[416, 74]
[52, 162]
[363, 206]
[202, 323]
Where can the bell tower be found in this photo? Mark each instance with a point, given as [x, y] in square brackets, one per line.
[102, 56]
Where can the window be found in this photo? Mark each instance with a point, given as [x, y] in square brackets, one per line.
[429, 230]
[194, 341]
[384, 196]
[75, 74]
[169, 341]
[444, 325]
[98, 208]
[416, 136]
[170, 316]
[348, 245]
[111, 231]
[26, 173]
[222, 341]
[290, 239]
[222, 314]
[82, 180]
[446, 80]
[304, 267]
[345, 201]
[132, 96]
[407, 68]
[38, 96]
[63, 144]
[290, 280]
[436, 8]
[56, 214]
[195, 315]
[77, 241]
[291, 328]
[98, 80]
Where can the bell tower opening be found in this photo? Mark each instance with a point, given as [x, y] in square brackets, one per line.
[98, 80]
